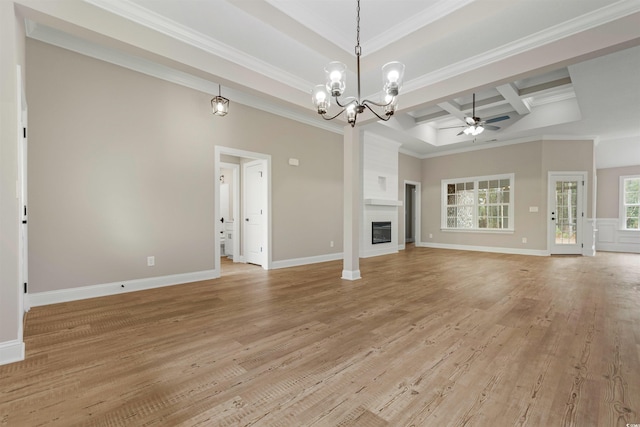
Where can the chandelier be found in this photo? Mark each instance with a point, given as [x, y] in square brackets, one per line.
[219, 104]
[392, 74]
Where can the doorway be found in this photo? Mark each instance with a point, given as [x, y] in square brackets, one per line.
[412, 212]
[251, 234]
[567, 206]
[227, 223]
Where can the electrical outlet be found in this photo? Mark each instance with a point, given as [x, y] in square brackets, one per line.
[331, 243]
[151, 261]
[430, 236]
[524, 240]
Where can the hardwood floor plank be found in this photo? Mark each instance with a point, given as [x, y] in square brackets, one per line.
[427, 338]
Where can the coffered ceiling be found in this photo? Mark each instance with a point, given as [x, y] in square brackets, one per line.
[558, 69]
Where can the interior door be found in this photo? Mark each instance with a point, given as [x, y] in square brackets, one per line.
[566, 213]
[22, 183]
[254, 211]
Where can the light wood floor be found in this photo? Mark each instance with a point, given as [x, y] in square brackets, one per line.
[427, 338]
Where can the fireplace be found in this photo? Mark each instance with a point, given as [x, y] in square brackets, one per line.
[380, 232]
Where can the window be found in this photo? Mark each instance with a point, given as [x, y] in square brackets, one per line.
[481, 203]
[630, 202]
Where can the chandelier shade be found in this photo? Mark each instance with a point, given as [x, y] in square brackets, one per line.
[392, 75]
[321, 98]
[335, 74]
[336, 77]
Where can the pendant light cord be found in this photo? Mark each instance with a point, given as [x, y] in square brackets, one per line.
[358, 29]
[358, 49]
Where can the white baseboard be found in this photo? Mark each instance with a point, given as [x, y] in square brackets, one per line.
[11, 351]
[84, 292]
[351, 274]
[307, 260]
[491, 249]
[377, 252]
[618, 247]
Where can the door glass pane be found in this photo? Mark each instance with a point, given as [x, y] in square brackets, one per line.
[566, 212]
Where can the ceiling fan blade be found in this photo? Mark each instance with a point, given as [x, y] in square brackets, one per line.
[461, 132]
[452, 127]
[497, 119]
[491, 127]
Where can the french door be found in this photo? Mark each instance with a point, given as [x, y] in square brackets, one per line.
[566, 212]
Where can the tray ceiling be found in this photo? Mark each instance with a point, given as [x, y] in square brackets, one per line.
[567, 70]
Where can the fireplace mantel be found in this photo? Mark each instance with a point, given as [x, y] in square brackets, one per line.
[382, 202]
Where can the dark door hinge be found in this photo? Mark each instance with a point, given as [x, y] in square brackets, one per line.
[25, 287]
[24, 132]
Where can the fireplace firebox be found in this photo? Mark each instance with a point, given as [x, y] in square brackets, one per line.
[380, 232]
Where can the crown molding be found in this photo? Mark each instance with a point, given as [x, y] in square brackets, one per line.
[66, 41]
[414, 23]
[574, 26]
[496, 144]
[177, 31]
[298, 12]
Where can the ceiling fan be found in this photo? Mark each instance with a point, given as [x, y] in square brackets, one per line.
[474, 125]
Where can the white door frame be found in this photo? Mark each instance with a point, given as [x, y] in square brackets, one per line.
[417, 212]
[582, 204]
[218, 151]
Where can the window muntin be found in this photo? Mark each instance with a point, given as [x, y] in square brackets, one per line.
[630, 202]
[478, 203]
[460, 205]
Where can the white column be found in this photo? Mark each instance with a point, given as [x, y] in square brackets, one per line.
[12, 48]
[352, 202]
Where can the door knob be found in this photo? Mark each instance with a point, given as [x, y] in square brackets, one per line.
[246, 219]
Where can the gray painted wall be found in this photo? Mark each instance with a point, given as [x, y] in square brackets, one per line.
[122, 167]
[531, 163]
[608, 201]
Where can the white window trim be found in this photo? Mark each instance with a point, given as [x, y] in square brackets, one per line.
[475, 179]
[621, 211]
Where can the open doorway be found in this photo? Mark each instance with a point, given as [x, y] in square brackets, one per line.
[412, 212]
[242, 207]
[227, 223]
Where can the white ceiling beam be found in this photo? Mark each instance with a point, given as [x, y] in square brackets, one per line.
[510, 92]
[452, 108]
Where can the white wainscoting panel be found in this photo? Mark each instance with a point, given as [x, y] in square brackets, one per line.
[611, 238]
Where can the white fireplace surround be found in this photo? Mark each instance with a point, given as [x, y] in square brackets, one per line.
[380, 193]
[379, 213]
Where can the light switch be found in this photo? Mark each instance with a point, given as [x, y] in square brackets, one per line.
[533, 209]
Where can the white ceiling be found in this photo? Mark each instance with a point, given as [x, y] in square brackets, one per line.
[559, 69]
